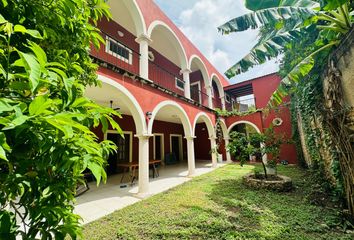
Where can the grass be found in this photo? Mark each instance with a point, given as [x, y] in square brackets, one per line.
[218, 206]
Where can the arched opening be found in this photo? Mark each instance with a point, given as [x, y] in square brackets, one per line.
[169, 126]
[166, 57]
[128, 15]
[203, 131]
[246, 128]
[120, 48]
[199, 81]
[132, 122]
[217, 92]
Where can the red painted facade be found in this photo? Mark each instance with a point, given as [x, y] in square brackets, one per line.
[163, 72]
[263, 88]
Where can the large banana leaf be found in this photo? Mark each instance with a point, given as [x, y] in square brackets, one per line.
[298, 73]
[270, 45]
[269, 13]
[255, 5]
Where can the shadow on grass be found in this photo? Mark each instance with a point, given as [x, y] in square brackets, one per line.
[264, 214]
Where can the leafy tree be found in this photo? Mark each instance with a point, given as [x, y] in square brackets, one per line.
[242, 146]
[283, 22]
[45, 120]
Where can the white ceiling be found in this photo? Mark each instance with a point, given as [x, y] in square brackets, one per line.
[121, 15]
[165, 43]
[103, 95]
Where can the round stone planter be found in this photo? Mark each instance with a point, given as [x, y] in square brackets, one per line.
[282, 184]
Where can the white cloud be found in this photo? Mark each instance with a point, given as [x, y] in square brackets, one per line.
[199, 23]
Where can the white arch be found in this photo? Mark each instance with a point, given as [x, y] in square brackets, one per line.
[179, 111]
[136, 14]
[180, 47]
[223, 126]
[207, 122]
[202, 68]
[246, 122]
[215, 78]
[131, 102]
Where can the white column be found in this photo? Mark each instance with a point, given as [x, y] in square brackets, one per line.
[187, 84]
[213, 154]
[144, 42]
[190, 153]
[143, 186]
[223, 106]
[228, 155]
[210, 98]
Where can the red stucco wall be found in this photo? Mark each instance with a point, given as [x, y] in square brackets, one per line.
[148, 97]
[152, 12]
[202, 142]
[263, 88]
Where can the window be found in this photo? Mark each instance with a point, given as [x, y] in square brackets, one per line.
[179, 84]
[118, 50]
[227, 98]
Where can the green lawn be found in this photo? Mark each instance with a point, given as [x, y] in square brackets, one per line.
[218, 206]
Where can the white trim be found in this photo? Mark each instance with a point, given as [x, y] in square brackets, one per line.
[108, 50]
[199, 92]
[207, 121]
[130, 133]
[162, 146]
[176, 85]
[202, 68]
[183, 57]
[131, 102]
[218, 84]
[227, 98]
[246, 122]
[180, 143]
[135, 13]
[151, 56]
[179, 111]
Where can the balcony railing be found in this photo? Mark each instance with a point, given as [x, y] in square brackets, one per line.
[245, 104]
[130, 62]
[199, 96]
[166, 79]
[217, 103]
[105, 55]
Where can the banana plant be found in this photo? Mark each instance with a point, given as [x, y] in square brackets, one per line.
[285, 21]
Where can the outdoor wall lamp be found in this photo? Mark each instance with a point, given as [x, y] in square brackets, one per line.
[149, 115]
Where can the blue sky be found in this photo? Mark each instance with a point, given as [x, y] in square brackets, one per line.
[199, 19]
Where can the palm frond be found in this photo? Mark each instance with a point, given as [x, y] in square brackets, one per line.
[269, 46]
[290, 81]
[255, 5]
[269, 16]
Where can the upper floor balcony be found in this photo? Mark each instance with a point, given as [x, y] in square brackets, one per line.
[241, 104]
[159, 60]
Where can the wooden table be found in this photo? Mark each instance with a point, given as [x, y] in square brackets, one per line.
[133, 166]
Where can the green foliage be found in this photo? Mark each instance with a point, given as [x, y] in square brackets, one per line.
[45, 139]
[285, 22]
[218, 206]
[268, 143]
[236, 112]
[307, 100]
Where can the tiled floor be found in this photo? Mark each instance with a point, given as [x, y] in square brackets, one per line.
[109, 197]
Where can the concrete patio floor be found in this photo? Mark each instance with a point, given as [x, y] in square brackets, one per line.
[107, 198]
